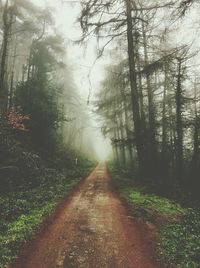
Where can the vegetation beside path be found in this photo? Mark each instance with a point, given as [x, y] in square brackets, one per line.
[177, 227]
[32, 183]
[23, 212]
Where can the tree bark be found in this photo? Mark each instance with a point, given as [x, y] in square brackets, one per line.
[196, 142]
[7, 21]
[134, 91]
[179, 124]
[152, 145]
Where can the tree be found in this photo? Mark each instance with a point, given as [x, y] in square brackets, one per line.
[39, 96]
[13, 12]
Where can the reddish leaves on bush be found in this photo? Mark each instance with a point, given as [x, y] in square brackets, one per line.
[16, 118]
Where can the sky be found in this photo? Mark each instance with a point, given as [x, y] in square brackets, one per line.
[81, 59]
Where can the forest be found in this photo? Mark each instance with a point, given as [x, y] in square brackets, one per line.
[149, 102]
[42, 124]
[146, 103]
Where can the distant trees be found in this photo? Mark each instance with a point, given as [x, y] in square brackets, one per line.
[35, 78]
[113, 19]
[114, 108]
[38, 94]
[150, 85]
[15, 23]
[29, 59]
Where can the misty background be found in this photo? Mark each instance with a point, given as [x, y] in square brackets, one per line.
[89, 70]
[81, 58]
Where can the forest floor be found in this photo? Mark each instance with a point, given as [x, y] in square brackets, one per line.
[91, 228]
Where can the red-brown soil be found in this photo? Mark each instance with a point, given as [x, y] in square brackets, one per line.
[91, 229]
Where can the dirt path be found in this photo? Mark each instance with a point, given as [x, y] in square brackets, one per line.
[91, 230]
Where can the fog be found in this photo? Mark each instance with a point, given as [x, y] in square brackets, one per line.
[87, 75]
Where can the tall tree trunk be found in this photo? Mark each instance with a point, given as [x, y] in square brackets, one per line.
[165, 163]
[127, 134]
[196, 143]
[11, 91]
[134, 91]
[129, 138]
[151, 113]
[122, 138]
[7, 21]
[179, 124]
[116, 148]
[119, 145]
[164, 121]
[140, 87]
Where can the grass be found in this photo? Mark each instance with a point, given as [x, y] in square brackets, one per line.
[22, 213]
[179, 244]
[20, 231]
[179, 240]
[151, 202]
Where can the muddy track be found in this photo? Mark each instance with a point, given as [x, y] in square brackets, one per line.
[91, 230]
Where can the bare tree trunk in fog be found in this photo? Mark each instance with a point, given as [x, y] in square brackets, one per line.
[196, 143]
[122, 137]
[11, 91]
[151, 112]
[179, 123]
[134, 90]
[7, 22]
[129, 138]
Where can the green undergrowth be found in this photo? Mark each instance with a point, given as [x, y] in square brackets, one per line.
[178, 227]
[22, 213]
[180, 243]
[152, 203]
